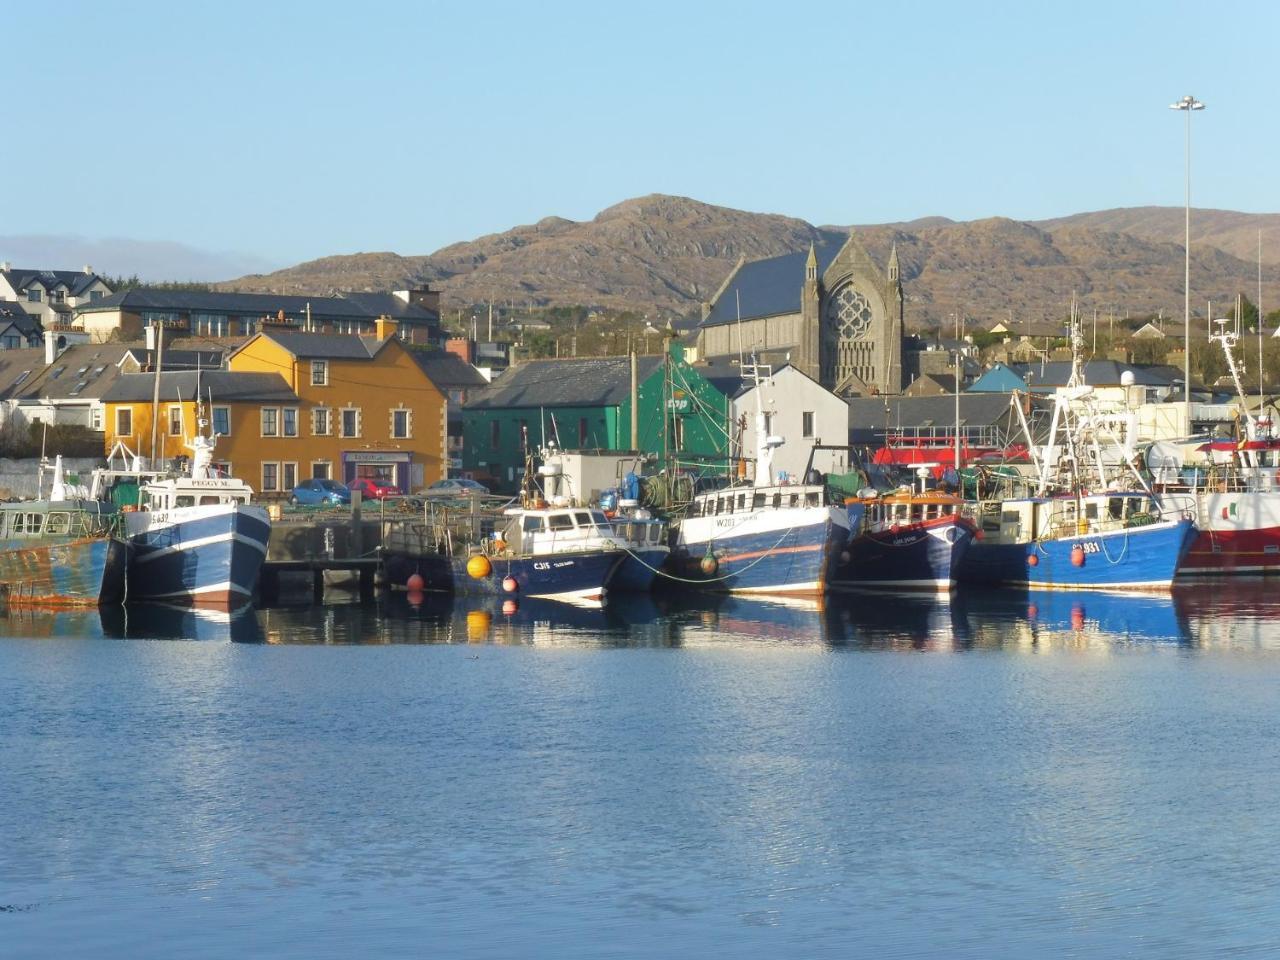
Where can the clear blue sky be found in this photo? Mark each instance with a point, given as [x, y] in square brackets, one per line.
[296, 130]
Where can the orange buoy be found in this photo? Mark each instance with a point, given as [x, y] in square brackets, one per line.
[478, 567]
[1033, 560]
[1077, 618]
[510, 584]
[709, 565]
[415, 583]
[499, 545]
[509, 607]
[415, 598]
[1032, 611]
[1077, 556]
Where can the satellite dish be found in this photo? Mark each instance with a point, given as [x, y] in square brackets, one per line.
[1126, 379]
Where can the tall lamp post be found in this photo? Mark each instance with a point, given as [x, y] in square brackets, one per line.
[1187, 104]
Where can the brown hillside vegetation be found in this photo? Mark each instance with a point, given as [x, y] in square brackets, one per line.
[667, 254]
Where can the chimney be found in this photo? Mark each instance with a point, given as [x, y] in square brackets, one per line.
[384, 328]
[423, 297]
[88, 270]
[50, 347]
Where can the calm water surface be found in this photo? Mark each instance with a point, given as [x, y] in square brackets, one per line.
[1003, 776]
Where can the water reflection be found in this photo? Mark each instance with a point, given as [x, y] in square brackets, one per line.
[1235, 613]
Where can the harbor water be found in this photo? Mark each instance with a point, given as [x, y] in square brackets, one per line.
[1002, 775]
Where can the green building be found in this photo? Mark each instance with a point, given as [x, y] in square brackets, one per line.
[585, 404]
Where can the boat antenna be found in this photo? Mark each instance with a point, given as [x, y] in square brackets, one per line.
[737, 299]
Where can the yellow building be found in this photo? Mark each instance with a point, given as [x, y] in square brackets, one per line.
[294, 405]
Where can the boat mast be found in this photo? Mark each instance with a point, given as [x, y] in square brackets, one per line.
[157, 329]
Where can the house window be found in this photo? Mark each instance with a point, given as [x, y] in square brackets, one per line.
[288, 476]
[270, 477]
[320, 426]
[95, 296]
[222, 468]
[12, 342]
[222, 421]
[59, 296]
[806, 428]
[248, 325]
[495, 433]
[209, 324]
[400, 424]
[33, 295]
[321, 469]
[270, 422]
[124, 422]
[95, 418]
[289, 422]
[175, 421]
[319, 373]
[582, 432]
[350, 422]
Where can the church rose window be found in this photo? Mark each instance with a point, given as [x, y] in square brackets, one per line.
[849, 314]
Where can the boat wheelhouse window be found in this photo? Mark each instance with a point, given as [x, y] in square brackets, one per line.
[655, 532]
[35, 522]
[560, 521]
[1135, 505]
[794, 500]
[757, 501]
[186, 500]
[16, 525]
[811, 499]
[777, 501]
[917, 511]
[1115, 507]
[599, 519]
[1091, 511]
[582, 518]
[742, 501]
[209, 499]
[532, 524]
[900, 511]
[58, 523]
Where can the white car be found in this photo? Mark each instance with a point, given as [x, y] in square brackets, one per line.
[456, 487]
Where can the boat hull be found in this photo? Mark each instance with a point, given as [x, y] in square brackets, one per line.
[637, 571]
[204, 556]
[571, 577]
[1137, 558]
[80, 572]
[1239, 533]
[769, 552]
[924, 556]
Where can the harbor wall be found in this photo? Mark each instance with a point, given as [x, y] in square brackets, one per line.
[18, 478]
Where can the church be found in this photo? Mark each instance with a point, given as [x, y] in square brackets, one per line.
[832, 313]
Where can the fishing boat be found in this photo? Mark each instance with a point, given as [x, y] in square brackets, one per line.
[65, 550]
[643, 536]
[764, 536]
[1235, 495]
[197, 536]
[1070, 533]
[908, 540]
[554, 553]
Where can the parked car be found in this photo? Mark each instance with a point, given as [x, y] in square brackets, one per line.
[371, 489]
[316, 491]
[456, 487]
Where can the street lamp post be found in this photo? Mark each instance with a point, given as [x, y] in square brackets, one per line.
[1187, 104]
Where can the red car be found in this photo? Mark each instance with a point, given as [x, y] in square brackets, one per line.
[371, 489]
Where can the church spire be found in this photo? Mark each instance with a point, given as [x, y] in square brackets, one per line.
[893, 263]
[811, 265]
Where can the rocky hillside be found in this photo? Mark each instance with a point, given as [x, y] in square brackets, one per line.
[667, 254]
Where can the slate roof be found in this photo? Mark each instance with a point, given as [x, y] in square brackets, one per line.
[354, 306]
[330, 346]
[175, 359]
[224, 385]
[76, 281]
[81, 372]
[448, 371]
[14, 314]
[999, 379]
[867, 415]
[1099, 373]
[585, 382]
[766, 288]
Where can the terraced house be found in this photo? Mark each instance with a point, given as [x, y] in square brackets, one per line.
[295, 405]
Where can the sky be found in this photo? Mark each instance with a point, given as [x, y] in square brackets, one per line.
[269, 133]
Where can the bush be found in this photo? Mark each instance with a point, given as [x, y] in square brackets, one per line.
[69, 440]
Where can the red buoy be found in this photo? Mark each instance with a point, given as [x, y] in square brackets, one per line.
[1033, 560]
[415, 583]
[415, 598]
[510, 584]
[1077, 556]
[1077, 618]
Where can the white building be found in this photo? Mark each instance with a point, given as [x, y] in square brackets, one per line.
[802, 412]
[49, 296]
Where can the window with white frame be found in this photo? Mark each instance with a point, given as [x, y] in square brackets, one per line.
[222, 421]
[289, 422]
[401, 424]
[33, 295]
[288, 476]
[95, 418]
[175, 421]
[124, 421]
[222, 468]
[806, 423]
[321, 469]
[350, 422]
[319, 373]
[210, 324]
[321, 425]
[271, 421]
[270, 477]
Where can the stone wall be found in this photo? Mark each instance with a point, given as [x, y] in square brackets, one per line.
[18, 477]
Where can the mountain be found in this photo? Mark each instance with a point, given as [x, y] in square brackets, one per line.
[667, 254]
[152, 260]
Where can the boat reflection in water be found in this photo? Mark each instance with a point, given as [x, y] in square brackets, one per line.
[163, 621]
[1002, 618]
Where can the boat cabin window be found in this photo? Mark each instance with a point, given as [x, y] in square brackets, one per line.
[209, 500]
[794, 500]
[655, 532]
[777, 501]
[58, 523]
[1135, 505]
[599, 519]
[560, 521]
[35, 523]
[582, 518]
[1091, 511]
[917, 512]
[185, 500]
[758, 501]
[900, 511]
[1115, 507]
[532, 524]
[742, 501]
[811, 499]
